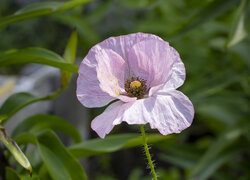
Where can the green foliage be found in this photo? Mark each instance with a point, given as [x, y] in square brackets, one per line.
[54, 155]
[19, 100]
[15, 103]
[40, 122]
[36, 55]
[214, 158]
[69, 56]
[15, 150]
[238, 31]
[11, 174]
[112, 144]
[40, 9]
[60, 163]
[216, 7]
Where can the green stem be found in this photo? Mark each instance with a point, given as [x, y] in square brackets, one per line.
[147, 152]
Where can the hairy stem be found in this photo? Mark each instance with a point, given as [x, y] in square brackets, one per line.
[150, 162]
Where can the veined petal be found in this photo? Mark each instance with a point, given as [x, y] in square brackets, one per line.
[122, 44]
[169, 112]
[90, 94]
[111, 69]
[158, 63]
[88, 91]
[103, 123]
[178, 73]
[126, 98]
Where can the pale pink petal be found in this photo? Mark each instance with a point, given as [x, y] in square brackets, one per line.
[111, 69]
[122, 44]
[151, 60]
[158, 63]
[126, 98]
[169, 112]
[177, 77]
[88, 91]
[103, 123]
[178, 73]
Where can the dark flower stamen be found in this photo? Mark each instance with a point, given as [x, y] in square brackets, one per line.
[136, 87]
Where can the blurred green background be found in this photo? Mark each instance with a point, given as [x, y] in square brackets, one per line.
[212, 39]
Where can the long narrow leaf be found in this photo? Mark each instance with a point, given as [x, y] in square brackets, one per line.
[40, 9]
[69, 56]
[213, 10]
[113, 143]
[20, 100]
[60, 163]
[15, 150]
[57, 159]
[36, 55]
[10, 174]
[40, 122]
[224, 141]
[238, 31]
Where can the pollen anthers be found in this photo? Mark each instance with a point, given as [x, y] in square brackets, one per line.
[135, 84]
[136, 87]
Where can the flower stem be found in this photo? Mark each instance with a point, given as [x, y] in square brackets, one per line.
[147, 152]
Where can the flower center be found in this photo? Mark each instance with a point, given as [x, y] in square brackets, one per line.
[135, 84]
[136, 87]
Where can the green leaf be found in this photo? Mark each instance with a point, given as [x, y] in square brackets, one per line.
[11, 174]
[86, 32]
[238, 31]
[51, 6]
[138, 3]
[40, 9]
[69, 56]
[60, 163]
[19, 100]
[14, 103]
[113, 143]
[211, 11]
[43, 172]
[58, 160]
[40, 122]
[212, 166]
[177, 160]
[183, 155]
[71, 4]
[71, 47]
[214, 85]
[36, 55]
[225, 140]
[15, 150]
[26, 138]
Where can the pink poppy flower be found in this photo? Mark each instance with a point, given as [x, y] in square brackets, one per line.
[143, 72]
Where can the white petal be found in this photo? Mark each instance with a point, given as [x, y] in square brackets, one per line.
[170, 112]
[103, 123]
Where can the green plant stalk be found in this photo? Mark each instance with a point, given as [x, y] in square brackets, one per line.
[150, 162]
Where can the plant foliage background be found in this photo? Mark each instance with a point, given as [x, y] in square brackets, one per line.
[212, 37]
